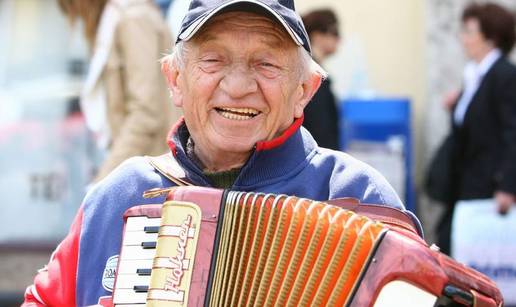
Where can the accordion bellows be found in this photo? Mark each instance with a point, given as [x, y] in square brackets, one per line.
[255, 249]
[285, 251]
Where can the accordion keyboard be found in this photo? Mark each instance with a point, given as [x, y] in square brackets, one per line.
[136, 257]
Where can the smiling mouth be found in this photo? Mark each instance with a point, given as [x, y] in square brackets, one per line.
[237, 113]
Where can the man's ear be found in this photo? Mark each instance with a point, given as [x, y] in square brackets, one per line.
[307, 90]
[172, 75]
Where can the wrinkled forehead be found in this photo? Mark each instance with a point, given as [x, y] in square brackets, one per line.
[245, 23]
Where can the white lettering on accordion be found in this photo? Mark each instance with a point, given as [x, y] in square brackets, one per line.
[174, 278]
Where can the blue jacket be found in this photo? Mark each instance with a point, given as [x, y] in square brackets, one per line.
[82, 266]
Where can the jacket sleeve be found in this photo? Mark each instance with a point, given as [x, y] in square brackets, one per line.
[138, 40]
[506, 175]
[54, 285]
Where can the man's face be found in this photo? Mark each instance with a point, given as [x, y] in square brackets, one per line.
[240, 83]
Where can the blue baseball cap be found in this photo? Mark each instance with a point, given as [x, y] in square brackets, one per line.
[200, 11]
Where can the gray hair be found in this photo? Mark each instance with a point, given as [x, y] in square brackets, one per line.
[307, 68]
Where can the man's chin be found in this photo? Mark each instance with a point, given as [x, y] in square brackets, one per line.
[236, 144]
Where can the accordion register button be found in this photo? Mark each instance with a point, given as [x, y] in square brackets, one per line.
[149, 245]
[141, 288]
[144, 272]
[151, 229]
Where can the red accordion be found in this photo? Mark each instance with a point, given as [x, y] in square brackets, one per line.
[225, 248]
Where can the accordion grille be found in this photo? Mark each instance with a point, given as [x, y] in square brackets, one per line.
[276, 250]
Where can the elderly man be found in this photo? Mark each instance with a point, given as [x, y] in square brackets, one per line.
[242, 73]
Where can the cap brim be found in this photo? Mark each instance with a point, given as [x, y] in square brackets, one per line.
[190, 31]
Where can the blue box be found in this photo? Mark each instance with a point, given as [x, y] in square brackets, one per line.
[377, 120]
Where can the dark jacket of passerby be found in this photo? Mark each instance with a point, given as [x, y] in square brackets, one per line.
[321, 117]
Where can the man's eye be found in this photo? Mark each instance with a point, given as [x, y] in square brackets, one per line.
[267, 65]
[211, 64]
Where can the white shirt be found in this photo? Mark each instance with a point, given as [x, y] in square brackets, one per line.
[473, 75]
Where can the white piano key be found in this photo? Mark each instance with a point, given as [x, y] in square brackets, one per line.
[128, 281]
[129, 296]
[133, 252]
[137, 223]
[128, 266]
[137, 237]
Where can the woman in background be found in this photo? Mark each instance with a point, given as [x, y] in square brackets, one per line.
[484, 114]
[125, 98]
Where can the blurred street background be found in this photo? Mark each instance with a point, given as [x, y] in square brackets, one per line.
[405, 54]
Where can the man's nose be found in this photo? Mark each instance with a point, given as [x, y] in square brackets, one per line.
[239, 81]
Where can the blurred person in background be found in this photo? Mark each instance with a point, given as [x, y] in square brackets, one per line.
[321, 114]
[483, 163]
[125, 99]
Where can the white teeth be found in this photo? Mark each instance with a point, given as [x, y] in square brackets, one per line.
[238, 113]
[234, 116]
[242, 110]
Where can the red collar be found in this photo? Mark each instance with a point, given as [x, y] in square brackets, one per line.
[170, 137]
[260, 146]
[278, 141]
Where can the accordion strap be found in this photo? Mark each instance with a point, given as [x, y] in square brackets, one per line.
[168, 166]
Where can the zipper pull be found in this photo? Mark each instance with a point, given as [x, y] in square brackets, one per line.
[157, 192]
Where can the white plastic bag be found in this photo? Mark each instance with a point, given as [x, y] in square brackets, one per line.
[486, 241]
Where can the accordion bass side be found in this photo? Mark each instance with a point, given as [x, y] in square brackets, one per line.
[208, 247]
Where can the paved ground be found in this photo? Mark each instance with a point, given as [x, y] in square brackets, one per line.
[17, 269]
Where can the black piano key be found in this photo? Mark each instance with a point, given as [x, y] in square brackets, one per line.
[151, 229]
[149, 245]
[141, 288]
[144, 272]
